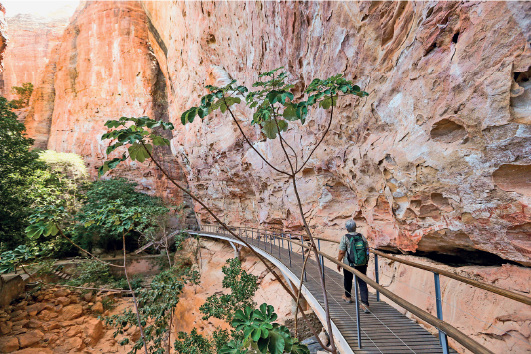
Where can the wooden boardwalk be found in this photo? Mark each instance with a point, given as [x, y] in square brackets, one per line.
[384, 330]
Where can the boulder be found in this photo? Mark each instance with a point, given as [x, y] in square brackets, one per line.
[49, 326]
[29, 338]
[61, 293]
[21, 323]
[98, 307]
[73, 344]
[50, 338]
[63, 300]
[8, 344]
[71, 312]
[73, 331]
[5, 327]
[33, 323]
[88, 296]
[94, 330]
[34, 309]
[47, 315]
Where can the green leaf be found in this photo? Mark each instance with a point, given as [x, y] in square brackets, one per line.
[189, 115]
[160, 141]
[290, 112]
[270, 129]
[283, 125]
[34, 231]
[276, 343]
[262, 345]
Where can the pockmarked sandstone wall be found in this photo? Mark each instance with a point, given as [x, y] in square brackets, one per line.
[32, 40]
[436, 159]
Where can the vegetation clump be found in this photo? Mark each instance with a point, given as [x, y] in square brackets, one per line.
[24, 94]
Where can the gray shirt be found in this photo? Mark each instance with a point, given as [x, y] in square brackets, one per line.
[344, 245]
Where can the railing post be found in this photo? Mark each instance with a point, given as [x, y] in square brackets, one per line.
[358, 322]
[442, 336]
[279, 256]
[290, 246]
[376, 275]
[302, 252]
[321, 260]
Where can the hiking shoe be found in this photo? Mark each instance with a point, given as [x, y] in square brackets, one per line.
[348, 300]
[365, 307]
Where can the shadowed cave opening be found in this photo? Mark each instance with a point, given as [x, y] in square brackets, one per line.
[457, 257]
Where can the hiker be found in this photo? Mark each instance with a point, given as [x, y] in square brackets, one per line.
[354, 251]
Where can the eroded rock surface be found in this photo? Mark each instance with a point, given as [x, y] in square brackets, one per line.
[32, 40]
[103, 69]
[420, 159]
[414, 161]
[40, 324]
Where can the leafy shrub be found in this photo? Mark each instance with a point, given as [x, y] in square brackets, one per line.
[156, 305]
[243, 287]
[92, 272]
[112, 207]
[17, 164]
[24, 94]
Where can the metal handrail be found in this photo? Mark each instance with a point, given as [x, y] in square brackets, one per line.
[488, 287]
[444, 327]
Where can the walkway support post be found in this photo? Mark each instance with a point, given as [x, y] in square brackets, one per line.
[290, 246]
[358, 324]
[302, 252]
[376, 275]
[442, 336]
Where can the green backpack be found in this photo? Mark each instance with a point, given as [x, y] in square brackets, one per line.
[357, 252]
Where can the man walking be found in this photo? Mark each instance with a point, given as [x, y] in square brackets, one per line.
[354, 251]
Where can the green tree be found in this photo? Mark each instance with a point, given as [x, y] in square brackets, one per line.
[24, 94]
[252, 328]
[275, 109]
[17, 165]
[100, 222]
[242, 287]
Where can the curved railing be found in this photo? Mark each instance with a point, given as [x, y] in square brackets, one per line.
[271, 237]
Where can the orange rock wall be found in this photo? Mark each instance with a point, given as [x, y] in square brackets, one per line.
[32, 40]
[4, 39]
[425, 163]
[103, 69]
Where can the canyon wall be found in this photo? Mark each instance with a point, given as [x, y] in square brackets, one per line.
[4, 39]
[435, 159]
[32, 40]
[103, 69]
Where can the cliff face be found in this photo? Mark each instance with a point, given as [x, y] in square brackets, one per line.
[436, 159]
[103, 69]
[4, 39]
[32, 40]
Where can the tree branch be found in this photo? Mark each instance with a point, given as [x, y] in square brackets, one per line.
[87, 252]
[251, 145]
[320, 141]
[134, 299]
[258, 255]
